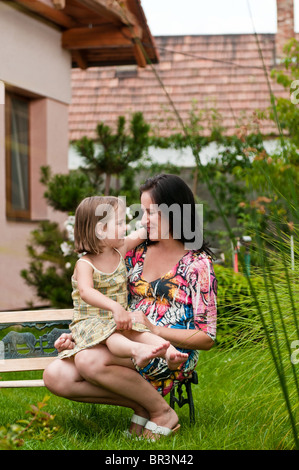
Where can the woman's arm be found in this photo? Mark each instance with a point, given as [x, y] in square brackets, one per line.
[180, 338]
[186, 339]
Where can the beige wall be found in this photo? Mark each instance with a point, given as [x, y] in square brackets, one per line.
[31, 56]
[49, 146]
[31, 59]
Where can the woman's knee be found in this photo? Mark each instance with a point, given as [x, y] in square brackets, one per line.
[59, 377]
[92, 362]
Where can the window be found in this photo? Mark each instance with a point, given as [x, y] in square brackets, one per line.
[17, 156]
[126, 71]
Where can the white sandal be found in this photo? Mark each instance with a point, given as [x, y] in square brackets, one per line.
[160, 430]
[136, 420]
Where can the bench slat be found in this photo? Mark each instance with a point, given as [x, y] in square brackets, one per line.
[21, 383]
[30, 363]
[36, 315]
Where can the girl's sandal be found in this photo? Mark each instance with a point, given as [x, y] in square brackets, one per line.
[159, 430]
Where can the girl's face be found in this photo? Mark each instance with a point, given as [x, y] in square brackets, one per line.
[113, 232]
[156, 224]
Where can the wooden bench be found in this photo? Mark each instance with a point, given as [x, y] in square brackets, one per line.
[29, 350]
[33, 349]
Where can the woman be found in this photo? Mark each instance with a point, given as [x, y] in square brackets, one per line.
[171, 280]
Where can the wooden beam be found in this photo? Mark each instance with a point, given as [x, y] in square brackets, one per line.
[132, 33]
[59, 4]
[93, 38]
[80, 59]
[50, 13]
[111, 10]
[138, 52]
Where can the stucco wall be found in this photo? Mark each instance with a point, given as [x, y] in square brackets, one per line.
[31, 56]
[31, 60]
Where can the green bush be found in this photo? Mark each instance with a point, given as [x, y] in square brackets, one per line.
[49, 270]
[237, 320]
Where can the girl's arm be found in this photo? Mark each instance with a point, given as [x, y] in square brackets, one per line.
[84, 275]
[134, 239]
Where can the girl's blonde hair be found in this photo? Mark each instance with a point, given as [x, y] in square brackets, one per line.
[89, 212]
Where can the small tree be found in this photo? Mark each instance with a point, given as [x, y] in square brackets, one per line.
[50, 269]
[288, 76]
[113, 154]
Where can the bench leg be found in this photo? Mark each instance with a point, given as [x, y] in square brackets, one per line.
[190, 402]
[181, 401]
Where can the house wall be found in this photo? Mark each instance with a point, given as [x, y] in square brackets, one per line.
[31, 56]
[31, 61]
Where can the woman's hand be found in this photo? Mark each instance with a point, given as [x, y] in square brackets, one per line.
[65, 341]
[137, 316]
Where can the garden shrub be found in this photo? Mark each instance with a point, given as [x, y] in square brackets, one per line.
[237, 316]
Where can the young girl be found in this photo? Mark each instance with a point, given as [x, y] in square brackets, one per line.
[100, 288]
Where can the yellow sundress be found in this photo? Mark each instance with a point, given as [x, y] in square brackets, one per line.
[92, 325]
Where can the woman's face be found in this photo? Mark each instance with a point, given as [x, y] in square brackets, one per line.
[157, 225]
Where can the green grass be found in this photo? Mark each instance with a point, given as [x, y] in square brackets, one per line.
[238, 405]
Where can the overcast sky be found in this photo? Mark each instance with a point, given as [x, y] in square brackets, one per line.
[181, 17]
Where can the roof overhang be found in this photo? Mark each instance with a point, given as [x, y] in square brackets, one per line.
[99, 32]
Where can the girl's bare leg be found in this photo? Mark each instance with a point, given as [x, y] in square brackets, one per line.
[120, 345]
[100, 377]
[173, 357]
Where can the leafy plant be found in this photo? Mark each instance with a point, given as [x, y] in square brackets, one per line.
[113, 153]
[286, 75]
[39, 426]
[49, 269]
[65, 191]
[237, 323]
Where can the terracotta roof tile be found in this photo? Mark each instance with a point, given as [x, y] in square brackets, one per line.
[223, 71]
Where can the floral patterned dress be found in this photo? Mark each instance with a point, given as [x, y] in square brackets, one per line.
[184, 298]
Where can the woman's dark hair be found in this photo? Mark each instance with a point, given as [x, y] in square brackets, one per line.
[175, 197]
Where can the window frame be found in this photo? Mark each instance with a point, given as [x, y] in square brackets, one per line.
[11, 213]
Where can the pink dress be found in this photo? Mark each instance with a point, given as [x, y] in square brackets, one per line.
[184, 297]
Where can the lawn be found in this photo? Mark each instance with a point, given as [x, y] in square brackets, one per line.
[238, 405]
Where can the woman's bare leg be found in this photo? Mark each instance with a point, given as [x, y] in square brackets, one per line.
[62, 378]
[108, 380]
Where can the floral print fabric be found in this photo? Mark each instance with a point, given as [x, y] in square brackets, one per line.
[184, 298]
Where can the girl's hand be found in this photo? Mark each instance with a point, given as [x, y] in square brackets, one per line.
[122, 318]
[65, 341]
